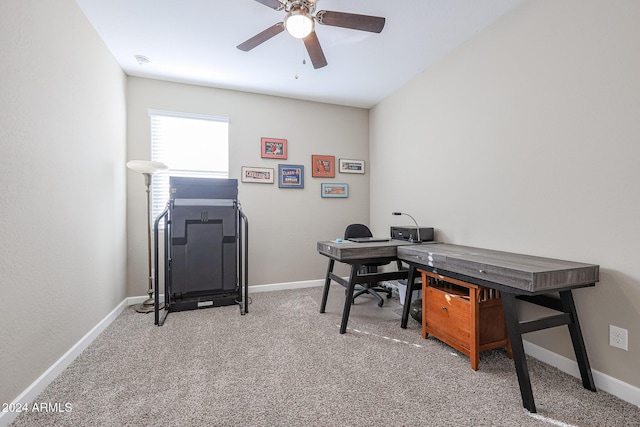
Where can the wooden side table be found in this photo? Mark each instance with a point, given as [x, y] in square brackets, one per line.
[465, 316]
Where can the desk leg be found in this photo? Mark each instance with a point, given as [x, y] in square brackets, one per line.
[407, 298]
[568, 306]
[327, 282]
[519, 358]
[474, 324]
[348, 297]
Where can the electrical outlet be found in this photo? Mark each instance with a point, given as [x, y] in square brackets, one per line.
[618, 337]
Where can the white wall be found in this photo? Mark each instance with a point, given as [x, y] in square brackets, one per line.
[527, 139]
[284, 224]
[62, 175]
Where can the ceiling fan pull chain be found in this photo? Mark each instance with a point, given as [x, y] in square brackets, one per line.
[304, 62]
[296, 62]
[304, 54]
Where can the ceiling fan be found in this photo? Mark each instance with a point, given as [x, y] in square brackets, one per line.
[300, 23]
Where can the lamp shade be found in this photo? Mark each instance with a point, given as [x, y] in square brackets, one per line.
[146, 166]
[299, 23]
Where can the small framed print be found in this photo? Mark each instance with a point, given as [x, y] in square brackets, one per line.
[351, 166]
[335, 190]
[274, 148]
[258, 175]
[291, 176]
[323, 166]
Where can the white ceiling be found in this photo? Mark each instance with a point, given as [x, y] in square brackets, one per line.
[194, 41]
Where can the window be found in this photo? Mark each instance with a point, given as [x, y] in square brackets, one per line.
[192, 145]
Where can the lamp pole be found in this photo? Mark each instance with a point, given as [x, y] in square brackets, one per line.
[147, 168]
[148, 305]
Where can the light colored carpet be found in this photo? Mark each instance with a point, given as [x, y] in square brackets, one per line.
[285, 364]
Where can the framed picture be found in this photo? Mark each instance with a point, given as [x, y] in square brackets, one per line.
[291, 176]
[258, 175]
[274, 148]
[335, 190]
[351, 166]
[323, 166]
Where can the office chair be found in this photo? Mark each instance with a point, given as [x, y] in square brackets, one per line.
[361, 230]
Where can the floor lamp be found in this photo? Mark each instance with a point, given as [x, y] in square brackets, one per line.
[147, 168]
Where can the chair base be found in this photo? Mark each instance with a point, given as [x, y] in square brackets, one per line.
[373, 290]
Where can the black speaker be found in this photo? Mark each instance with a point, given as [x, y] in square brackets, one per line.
[410, 233]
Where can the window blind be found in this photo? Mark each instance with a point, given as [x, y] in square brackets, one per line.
[192, 145]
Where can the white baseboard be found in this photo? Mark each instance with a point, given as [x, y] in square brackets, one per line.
[286, 285]
[137, 300]
[31, 392]
[604, 382]
[624, 391]
[254, 288]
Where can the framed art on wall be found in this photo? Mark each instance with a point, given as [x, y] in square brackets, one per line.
[335, 190]
[323, 166]
[291, 176]
[273, 148]
[351, 166]
[258, 175]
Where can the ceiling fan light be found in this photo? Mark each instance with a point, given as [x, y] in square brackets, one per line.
[299, 23]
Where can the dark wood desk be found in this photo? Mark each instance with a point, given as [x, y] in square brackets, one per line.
[356, 255]
[517, 277]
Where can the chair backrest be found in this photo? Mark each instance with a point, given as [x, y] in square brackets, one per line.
[357, 230]
[361, 230]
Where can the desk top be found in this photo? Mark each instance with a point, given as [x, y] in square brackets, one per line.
[529, 273]
[351, 251]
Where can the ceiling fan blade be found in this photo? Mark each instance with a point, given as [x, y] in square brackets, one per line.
[262, 37]
[314, 49]
[373, 24]
[273, 4]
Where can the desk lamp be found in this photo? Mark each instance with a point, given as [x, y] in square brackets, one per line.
[147, 168]
[417, 227]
